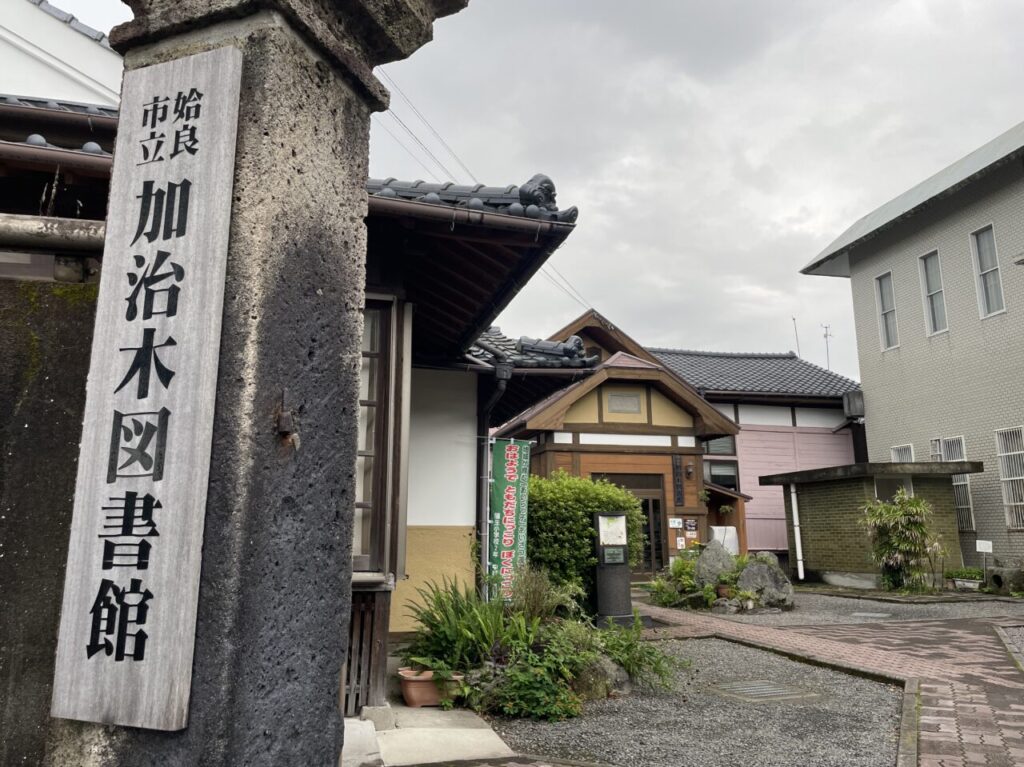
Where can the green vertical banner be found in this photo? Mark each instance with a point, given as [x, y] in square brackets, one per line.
[510, 487]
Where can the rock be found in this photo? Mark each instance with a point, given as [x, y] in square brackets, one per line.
[725, 607]
[1006, 580]
[767, 557]
[601, 678]
[771, 585]
[711, 563]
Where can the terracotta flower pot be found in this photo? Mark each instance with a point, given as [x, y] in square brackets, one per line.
[725, 592]
[420, 689]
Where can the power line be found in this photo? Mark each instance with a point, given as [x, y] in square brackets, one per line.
[407, 150]
[558, 285]
[426, 122]
[568, 288]
[572, 287]
[423, 146]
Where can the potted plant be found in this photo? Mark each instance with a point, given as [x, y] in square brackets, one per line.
[432, 684]
[726, 588]
[966, 578]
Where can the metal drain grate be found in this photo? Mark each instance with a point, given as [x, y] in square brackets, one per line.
[870, 615]
[759, 690]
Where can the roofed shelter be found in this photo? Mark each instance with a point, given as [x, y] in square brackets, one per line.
[824, 513]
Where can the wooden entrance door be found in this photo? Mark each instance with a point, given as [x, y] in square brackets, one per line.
[649, 488]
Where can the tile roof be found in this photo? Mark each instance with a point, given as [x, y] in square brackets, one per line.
[754, 373]
[534, 199]
[84, 29]
[96, 110]
[527, 352]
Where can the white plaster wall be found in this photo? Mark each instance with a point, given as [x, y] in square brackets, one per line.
[43, 57]
[766, 415]
[442, 448]
[826, 418]
[966, 381]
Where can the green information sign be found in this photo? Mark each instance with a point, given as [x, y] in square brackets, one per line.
[510, 484]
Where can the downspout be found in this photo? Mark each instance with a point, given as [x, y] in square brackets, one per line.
[502, 375]
[796, 531]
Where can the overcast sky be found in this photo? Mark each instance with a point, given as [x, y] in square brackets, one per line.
[713, 148]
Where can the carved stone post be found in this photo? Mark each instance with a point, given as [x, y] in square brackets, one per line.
[274, 594]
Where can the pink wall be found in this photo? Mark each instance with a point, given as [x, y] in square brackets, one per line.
[775, 449]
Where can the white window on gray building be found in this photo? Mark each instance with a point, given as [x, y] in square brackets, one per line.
[935, 452]
[953, 449]
[901, 453]
[886, 487]
[886, 311]
[1010, 451]
[990, 286]
[934, 298]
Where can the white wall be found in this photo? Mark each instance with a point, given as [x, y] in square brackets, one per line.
[827, 418]
[43, 57]
[442, 448]
[766, 415]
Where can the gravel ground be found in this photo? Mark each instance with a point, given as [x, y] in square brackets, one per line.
[815, 609]
[1016, 634]
[852, 722]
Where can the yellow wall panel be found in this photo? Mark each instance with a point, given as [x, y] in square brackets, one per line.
[433, 552]
[583, 410]
[664, 412]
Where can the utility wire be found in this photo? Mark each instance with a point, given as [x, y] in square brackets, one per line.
[408, 151]
[568, 288]
[572, 287]
[426, 122]
[561, 287]
[431, 155]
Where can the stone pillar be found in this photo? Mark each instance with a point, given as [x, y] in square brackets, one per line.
[274, 594]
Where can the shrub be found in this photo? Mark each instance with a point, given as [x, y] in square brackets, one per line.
[532, 687]
[536, 596]
[560, 535]
[966, 573]
[900, 536]
[458, 630]
[644, 661]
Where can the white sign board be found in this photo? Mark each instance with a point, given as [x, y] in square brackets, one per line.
[675, 522]
[611, 531]
[127, 630]
[983, 547]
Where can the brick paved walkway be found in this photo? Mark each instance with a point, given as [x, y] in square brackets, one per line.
[971, 693]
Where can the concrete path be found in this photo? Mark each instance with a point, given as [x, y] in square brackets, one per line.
[971, 690]
[421, 736]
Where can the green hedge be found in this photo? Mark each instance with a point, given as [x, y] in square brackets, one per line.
[560, 532]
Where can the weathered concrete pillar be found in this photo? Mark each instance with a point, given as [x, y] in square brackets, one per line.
[275, 585]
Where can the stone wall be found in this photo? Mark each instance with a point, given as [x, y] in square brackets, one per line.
[45, 335]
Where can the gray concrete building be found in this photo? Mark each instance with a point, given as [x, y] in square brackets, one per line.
[938, 299]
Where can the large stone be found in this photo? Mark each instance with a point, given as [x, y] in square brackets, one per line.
[767, 557]
[601, 678]
[1006, 580]
[712, 562]
[725, 606]
[770, 584]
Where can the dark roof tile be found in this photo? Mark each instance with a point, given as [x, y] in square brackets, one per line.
[754, 373]
[528, 352]
[534, 199]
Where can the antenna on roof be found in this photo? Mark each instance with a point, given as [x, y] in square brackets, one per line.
[797, 336]
[828, 335]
